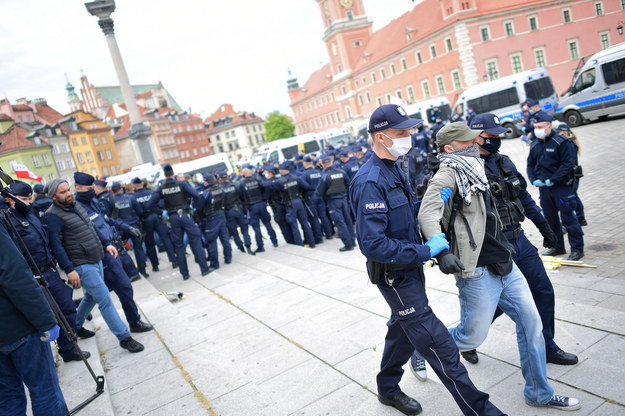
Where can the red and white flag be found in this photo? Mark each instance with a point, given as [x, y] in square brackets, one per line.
[22, 172]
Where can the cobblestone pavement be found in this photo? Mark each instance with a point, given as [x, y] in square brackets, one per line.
[296, 331]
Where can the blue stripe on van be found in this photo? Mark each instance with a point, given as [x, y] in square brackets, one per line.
[598, 100]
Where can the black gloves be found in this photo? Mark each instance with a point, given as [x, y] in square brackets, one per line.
[448, 263]
[549, 237]
[134, 232]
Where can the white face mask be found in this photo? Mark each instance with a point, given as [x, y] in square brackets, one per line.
[400, 146]
[540, 133]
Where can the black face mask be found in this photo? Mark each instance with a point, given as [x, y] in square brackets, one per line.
[86, 195]
[491, 144]
[23, 207]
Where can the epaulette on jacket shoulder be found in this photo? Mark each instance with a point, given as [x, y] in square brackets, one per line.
[374, 174]
[559, 139]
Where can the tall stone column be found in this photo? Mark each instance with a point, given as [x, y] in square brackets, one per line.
[139, 133]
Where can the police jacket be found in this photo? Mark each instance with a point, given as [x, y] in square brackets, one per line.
[434, 211]
[23, 308]
[108, 203]
[143, 196]
[313, 177]
[213, 200]
[250, 191]
[509, 189]
[334, 184]
[108, 228]
[73, 237]
[128, 209]
[291, 187]
[41, 204]
[175, 194]
[350, 168]
[553, 158]
[386, 224]
[231, 198]
[35, 237]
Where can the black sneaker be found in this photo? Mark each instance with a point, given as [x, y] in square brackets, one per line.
[241, 249]
[76, 356]
[346, 248]
[260, 250]
[135, 278]
[141, 326]
[155, 269]
[583, 222]
[249, 251]
[143, 273]
[554, 252]
[275, 244]
[402, 402]
[131, 345]
[207, 271]
[561, 403]
[174, 265]
[471, 356]
[84, 333]
[228, 261]
[185, 277]
[562, 358]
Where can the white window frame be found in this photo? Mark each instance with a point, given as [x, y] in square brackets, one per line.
[425, 88]
[410, 93]
[598, 11]
[520, 62]
[505, 28]
[570, 42]
[544, 53]
[567, 9]
[455, 79]
[449, 45]
[440, 83]
[607, 35]
[487, 64]
[433, 53]
[404, 64]
[529, 22]
[487, 28]
[418, 57]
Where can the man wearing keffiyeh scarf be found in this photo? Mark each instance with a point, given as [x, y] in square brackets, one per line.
[469, 167]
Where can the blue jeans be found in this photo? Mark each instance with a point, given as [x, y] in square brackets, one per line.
[479, 296]
[92, 282]
[29, 361]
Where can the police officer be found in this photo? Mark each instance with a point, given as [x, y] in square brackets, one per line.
[176, 195]
[550, 167]
[529, 108]
[235, 216]
[115, 277]
[333, 189]
[513, 204]
[152, 222]
[291, 187]
[275, 202]
[107, 200]
[35, 238]
[253, 194]
[316, 204]
[130, 212]
[388, 236]
[413, 163]
[213, 220]
[42, 201]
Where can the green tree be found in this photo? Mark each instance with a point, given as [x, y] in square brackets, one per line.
[278, 126]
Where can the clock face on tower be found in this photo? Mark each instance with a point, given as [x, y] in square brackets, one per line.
[347, 3]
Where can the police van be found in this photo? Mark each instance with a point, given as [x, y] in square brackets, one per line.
[278, 151]
[425, 110]
[207, 164]
[598, 88]
[504, 96]
[150, 171]
[336, 137]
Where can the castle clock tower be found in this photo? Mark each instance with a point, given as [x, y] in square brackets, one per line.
[347, 31]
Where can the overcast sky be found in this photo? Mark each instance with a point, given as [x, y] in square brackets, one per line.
[205, 52]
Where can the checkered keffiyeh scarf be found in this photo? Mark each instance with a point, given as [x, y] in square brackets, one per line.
[469, 167]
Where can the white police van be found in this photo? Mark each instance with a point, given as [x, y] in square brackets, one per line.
[207, 164]
[278, 151]
[424, 110]
[598, 88]
[150, 171]
[336, 137]
[504, 96]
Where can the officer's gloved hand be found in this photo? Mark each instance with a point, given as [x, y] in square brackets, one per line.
[549, 237]
[448, 263]
[51, 334]
[135, 232]
[548, 182]
[445, 194]
[538, 183]
[437, 243]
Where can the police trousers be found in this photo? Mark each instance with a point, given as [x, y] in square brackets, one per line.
[413, 325]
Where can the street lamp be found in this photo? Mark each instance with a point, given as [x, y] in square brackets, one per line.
[619, 28]
[139, 133]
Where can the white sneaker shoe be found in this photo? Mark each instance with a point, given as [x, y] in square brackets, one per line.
[418, 368]
[561, 403]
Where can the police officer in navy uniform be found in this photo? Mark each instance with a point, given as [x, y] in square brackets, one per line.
[529, 107]
[333, 189]
[550, 167]
[315, 203]
[115, 276]
[176, 195]
[213, 218]
[42, 201]
[388, 235]
[35, 239]
[254, 196]
[275, 202]
[107, 200]
[235, 216]
[513, 204]
[152, 222]
[130, 212]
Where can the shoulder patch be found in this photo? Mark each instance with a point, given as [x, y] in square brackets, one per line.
[374, 174]
[374, 206]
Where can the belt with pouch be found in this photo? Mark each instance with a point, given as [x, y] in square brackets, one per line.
[47, 267]
[512, 234]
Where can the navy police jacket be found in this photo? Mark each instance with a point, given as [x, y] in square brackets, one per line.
[128, 209]
[105, 226]
[34, 235]
[386, 218]
[554, 158]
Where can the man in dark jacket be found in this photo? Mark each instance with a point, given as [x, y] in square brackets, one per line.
[27, 326]
[77, 247]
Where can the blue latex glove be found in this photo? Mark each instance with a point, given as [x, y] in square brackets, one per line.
[548, 182]
[445, 194]
[51, 334]
[538, 183]
[437, 243]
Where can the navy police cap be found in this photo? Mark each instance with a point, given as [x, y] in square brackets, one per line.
[391, 116]
[116, 186]
[38, 188]
[82, 178]
[20, 188]
[488, 122]
[100, 182]
[137, 181]
[530, 102]
[541, 116]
